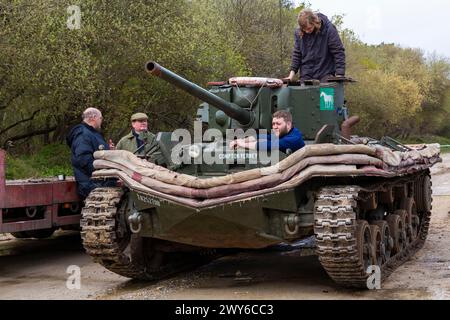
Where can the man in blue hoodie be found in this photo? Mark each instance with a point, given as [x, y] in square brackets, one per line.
[318, 50]
[290, 139]
[84, 139]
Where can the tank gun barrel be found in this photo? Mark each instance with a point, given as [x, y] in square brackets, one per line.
[243, 116]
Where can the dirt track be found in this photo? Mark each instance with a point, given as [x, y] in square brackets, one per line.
[32, 269]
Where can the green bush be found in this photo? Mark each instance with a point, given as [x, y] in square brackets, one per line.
[443, 141]
[50, 161]
[426, 139]
[17, 168]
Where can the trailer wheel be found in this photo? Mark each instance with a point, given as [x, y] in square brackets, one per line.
[20, 235]
[40, 234]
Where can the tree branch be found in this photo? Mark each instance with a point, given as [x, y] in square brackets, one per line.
[31, 134]
[20, 122]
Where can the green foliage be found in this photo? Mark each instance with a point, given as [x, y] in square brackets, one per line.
[383, 101]
[262, 32]
[399, 91]
[17, 168]
[443, 141]
[50, 161]
[50, 74]
[426, 139]
[53, 78]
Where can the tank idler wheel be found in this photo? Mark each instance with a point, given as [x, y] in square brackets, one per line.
[406, 221]
[377, 245]
[364, 244]
[387, 242]
[397, 232]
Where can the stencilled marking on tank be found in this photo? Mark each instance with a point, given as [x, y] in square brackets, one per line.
[238, 156]
[148, 200]
[326, 99]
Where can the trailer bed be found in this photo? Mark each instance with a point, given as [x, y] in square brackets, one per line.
[35, 204]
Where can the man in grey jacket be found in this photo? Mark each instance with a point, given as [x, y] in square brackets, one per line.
[318, 50]
[140, 141]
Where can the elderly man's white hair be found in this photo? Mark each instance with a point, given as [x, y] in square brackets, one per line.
[91, 113]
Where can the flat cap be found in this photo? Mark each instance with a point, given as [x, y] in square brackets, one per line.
[139, 116]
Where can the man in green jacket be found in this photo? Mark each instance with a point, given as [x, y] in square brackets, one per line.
[140, 141]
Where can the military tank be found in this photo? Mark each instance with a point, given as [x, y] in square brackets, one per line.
[362, 202]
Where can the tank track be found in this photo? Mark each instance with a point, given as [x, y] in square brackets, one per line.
[336, 226]
[102, 240]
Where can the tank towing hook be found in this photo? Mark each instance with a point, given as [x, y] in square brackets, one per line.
[135, 221]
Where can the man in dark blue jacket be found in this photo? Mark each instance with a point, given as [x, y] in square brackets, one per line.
[84, 139]
[287, 138]
[318, 50]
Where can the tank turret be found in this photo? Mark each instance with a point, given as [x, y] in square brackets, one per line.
[249, 103]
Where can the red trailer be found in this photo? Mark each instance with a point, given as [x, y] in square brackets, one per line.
[35, 208]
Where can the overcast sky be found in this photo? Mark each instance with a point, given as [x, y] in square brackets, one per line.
[413, 23]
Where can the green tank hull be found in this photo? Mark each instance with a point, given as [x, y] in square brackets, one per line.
[251, 224]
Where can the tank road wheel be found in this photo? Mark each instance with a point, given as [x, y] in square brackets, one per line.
[415, 227]
[406, 227]
[377, 245]
[398, 232]
[364, 243]
[405, 238]
[409, 204]
[386, 241]
[108, 240]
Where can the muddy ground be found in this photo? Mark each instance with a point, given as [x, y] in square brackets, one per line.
[37, 269]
